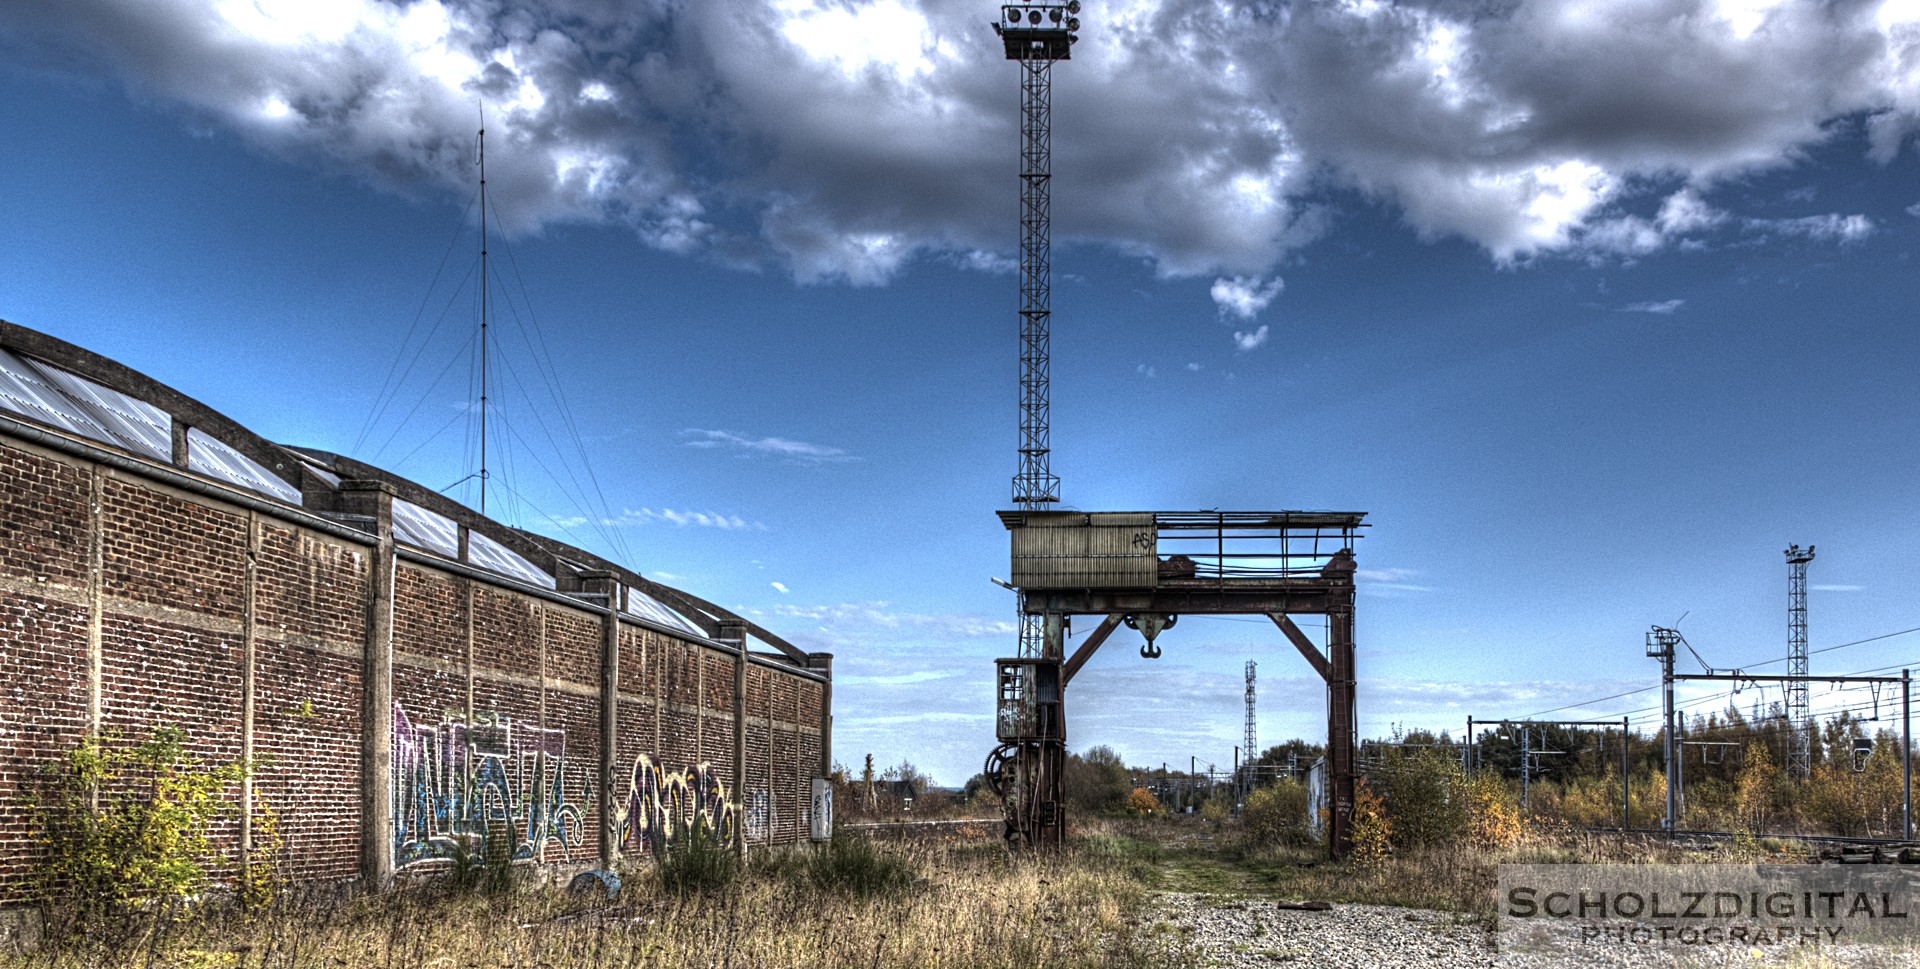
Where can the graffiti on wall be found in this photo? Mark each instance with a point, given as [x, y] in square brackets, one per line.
[662, 803]
[759, 815]
[456, 781]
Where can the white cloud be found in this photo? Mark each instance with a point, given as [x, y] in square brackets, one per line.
[1837, 588]
[842, 140]
[1249, 341]
[1245, 296]
[1389, 580]
[1664, 307]
[779, 587]
[1684, 211]
[1830, 227]
[1146, 370]
[669, 516]
[796, 452]
[1194, 368]
[896, 679]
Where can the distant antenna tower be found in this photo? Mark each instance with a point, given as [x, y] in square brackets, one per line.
[485, 281]
[1799, 748]
[1252, 749]
[1036, 35]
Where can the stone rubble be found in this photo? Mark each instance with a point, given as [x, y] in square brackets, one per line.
[1234, 932]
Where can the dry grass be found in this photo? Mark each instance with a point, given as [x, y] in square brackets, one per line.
[974, 905]
[1193, 856]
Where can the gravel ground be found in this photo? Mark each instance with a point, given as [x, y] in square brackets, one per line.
[1235, 932]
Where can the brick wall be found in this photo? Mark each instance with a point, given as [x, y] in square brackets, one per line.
[212, 616]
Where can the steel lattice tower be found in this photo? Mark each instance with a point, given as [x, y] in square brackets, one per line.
[1799, 748]
[1252, 748]
[1036, 35]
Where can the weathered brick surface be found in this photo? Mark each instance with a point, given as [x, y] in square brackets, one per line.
[158, 674]
[174, 596]
[167, 551]
[506, 631]
[43, 518]
[312, 586]
[307, 740]
[430, 615]
[43, 711]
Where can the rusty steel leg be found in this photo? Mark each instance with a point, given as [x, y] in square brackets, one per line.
[1340, 728]
[1047, 825]
[1046, 822]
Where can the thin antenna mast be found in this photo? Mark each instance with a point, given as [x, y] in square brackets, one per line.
[484, 282]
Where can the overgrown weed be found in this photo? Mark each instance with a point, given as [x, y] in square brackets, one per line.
[890, 904]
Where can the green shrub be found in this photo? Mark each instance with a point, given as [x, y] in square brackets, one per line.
[124, 829]
[1276, 814]
[696, 861]
[1426, 796]
[851, 865]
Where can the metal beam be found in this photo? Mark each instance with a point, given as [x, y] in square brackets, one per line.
[1315, 598]
[1087, 649]
[1303, 644]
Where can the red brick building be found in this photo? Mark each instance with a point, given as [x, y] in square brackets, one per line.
[406, 673]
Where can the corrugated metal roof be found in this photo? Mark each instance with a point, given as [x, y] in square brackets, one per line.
[146, 428]
[421, 528]
[212, 457]
[495, 557]
[320, 471]
[33, 391]
[647, 607]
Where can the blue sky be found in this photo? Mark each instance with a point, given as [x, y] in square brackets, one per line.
[1593, 307]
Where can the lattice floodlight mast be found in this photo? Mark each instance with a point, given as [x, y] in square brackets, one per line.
[1032, 757]
[1799, 750]
[1036, 35]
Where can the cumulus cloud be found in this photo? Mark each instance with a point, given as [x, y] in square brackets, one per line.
[1146, 370]
[839, 140]
[780, 587]
[1245, 296]
[796, 452]
[1248, 341]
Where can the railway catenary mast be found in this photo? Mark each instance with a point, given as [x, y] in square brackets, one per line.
[1799, 747]
[1251, 740]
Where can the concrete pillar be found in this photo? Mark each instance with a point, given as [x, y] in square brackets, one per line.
[249, 690]
[734, 631]
[822, 663]
[375, 499]
[96, 598]
[604, 583]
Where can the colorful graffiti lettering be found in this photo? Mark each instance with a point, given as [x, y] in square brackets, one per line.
[456, 780]
[661, 803]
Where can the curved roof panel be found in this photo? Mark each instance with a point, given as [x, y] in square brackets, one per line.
[49, 382]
